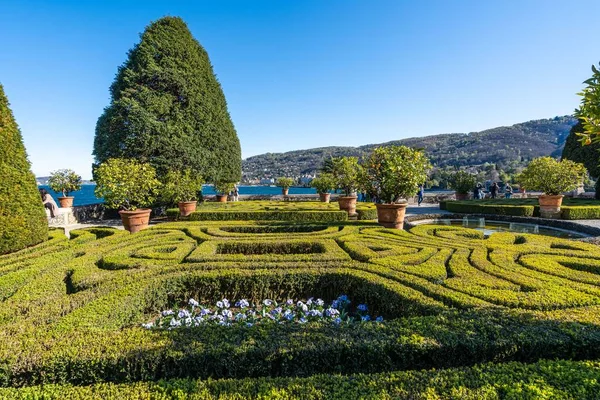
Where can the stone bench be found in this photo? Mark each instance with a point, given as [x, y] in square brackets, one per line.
[63, 217]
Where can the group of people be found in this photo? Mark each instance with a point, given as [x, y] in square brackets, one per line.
[479, 191]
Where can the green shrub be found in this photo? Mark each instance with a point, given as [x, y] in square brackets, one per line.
[550, 176]
[323, 183]
[181, 186]
[65, 181]
[284, 183]
[347, 174]
[474, 207]
[23, 221]
[126, 184]
[462, 182]
[292, 216]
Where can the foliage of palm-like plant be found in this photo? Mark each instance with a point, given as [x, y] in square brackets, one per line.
[550, 176]
[65, 181]
[589, 109]
[396, 172]
[126, 184]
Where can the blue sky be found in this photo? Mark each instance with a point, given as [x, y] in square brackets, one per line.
[302, 74]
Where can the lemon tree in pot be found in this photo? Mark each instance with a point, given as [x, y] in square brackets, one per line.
[347, 172]
[323, 183]
[223, 189]
[462, 182]
[65, 181]
[552, 178]
[284, 184]
[396, 173]
[128, 185]
[182, 187]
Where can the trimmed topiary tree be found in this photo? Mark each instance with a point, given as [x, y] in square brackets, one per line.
[168, 109]
[23, 221]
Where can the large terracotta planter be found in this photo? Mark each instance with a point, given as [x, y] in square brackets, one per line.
[391, 215]
[285, 191]
[66, 202]
[222, 198]
[348, 204]
[462, 196]
[186, 207]
[550, 205]
[135, 221]
[324, 197]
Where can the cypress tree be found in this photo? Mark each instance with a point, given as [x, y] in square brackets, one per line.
[23, 221]
[168, 108]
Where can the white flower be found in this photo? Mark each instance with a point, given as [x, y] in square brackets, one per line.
[149, 325]
[289, 302]
[267, 302]
[302, 306]
[220, 304]
[175, 322]
[226, 303]
[226, 313]
[243, 303]
[193, 303]
[183, 314]
[309, 301]
[167, 313]
[320, 302]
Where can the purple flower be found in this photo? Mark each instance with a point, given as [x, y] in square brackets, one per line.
[289, 302]
[183, 314]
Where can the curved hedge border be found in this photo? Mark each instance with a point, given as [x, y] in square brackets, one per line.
[572, 209]
[71, 310]
[544, 379]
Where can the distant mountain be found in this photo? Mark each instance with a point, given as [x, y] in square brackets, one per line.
[507, 145]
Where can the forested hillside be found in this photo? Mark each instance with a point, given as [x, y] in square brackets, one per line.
[507, 148]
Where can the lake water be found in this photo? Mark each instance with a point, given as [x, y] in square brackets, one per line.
[86, 194]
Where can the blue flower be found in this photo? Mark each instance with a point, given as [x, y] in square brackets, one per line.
[205, 311]
[335, 304]
[302, 320]
[365, 318]
[343, 297]
[379, 319]
[337, 321]
[362, 307]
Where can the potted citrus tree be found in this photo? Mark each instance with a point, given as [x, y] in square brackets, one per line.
[128, 185]
[347, 172]
[552, 178]
[284, 184]
[323, 183]
[462, 182]
[223, 189]
[396, 173]
[182, 187]
[65, 181]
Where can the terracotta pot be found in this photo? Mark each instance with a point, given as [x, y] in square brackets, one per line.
[391, 215]
[324, 197]
[348, 204]
[222, 198]
[135, 221]
[186, 207]
[550, 203]
[285, 191]
[462, 196]
[66, 202]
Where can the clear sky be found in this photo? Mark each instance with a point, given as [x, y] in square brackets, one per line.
[301, 74]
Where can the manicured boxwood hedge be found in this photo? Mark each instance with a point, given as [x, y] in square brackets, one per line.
[71, 310]
[275, 211]
[572, 209]
[544, 379]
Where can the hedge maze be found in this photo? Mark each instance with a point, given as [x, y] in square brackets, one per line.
[511, 314]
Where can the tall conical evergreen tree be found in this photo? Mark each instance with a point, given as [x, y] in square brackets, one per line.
[168, 108]
[588, 155]
[23, 221]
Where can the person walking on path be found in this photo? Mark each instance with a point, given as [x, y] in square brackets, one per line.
[420, 195]
[236, 193]
[494, 190]
[478, 192]
[508, 191]
[49, 203]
